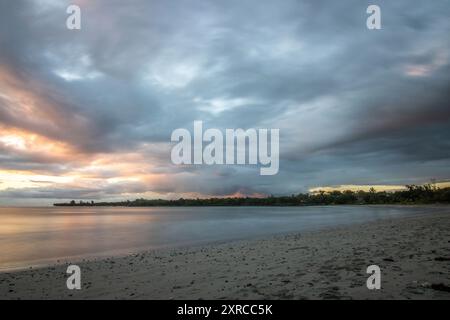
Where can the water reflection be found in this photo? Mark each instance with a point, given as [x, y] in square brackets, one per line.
[43, 235]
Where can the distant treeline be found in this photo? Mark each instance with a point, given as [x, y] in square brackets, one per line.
[426, 194]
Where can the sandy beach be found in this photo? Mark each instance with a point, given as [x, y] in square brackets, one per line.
[413, 254]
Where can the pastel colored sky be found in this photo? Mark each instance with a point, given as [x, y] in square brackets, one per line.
[88, 114]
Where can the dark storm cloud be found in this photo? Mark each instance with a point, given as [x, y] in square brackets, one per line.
[352, 105]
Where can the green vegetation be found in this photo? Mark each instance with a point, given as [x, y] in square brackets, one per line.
[426, 194]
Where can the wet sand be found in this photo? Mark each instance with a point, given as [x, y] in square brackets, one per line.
[413, 254]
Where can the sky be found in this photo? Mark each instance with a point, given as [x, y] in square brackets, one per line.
[88, 114]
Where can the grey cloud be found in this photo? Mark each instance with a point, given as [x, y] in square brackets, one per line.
[338, 92]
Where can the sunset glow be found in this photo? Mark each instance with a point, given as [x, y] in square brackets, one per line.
[88, 114]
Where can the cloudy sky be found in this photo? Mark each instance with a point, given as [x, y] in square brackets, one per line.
[87, 114]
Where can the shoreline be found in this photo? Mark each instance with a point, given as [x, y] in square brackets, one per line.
[323, 264]
[437, 204]
[120, 253]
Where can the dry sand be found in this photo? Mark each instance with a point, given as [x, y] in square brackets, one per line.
[413, 254]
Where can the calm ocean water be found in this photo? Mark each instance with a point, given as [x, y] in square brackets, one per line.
[36, 236]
